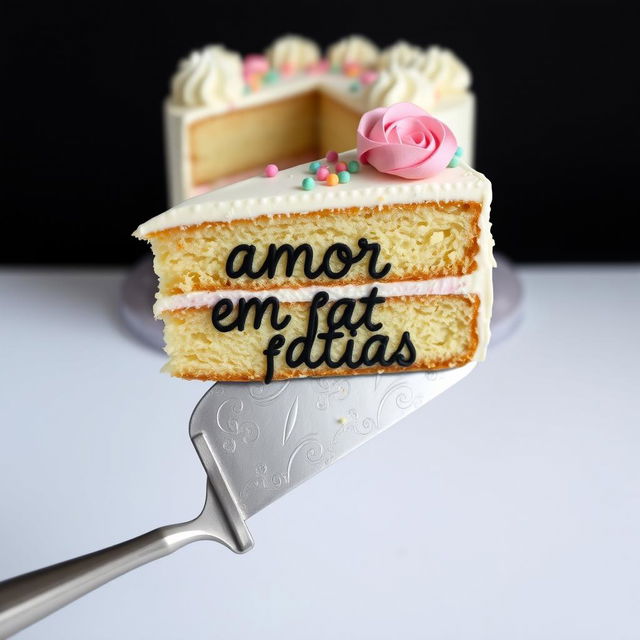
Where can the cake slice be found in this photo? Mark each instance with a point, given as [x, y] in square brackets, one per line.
[287, 276]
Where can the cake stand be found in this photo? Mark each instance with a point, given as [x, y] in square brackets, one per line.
[139, 289]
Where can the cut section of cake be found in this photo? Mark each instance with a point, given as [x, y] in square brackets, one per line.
[228, 115]
[379, 260]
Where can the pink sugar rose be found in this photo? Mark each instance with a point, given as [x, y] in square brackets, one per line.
[404, 140]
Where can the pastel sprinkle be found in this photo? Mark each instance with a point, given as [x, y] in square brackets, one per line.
[341, 166]
[271, 170]
[354, 166]
[332, 180]
[308, 184]
[459, 151]
[354, 87]
[271, 76]
[344, 177]
[351, 69]
[332, 156]
[322, 173]
[314, 166]
[454, 162]
[368, 77]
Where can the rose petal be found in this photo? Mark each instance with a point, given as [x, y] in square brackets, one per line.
[406, 141]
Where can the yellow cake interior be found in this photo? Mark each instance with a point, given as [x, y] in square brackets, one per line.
[425, 240]
[286, 132]
[442, 329]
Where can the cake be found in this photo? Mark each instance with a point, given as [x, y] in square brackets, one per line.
[374, 260]
[227, 116]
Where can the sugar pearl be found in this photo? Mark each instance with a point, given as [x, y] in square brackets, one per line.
[341, 166]
[332, 180]
[308, 184]
[344, 177]
[332, 156]
[322, 173]
[354, 166]
[271, 170]
[314, 166]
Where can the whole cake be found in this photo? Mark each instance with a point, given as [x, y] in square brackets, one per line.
[372, 260]
[227, 116]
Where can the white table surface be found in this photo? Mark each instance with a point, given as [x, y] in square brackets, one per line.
[507, 508]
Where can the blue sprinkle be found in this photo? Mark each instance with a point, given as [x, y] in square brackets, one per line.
[344, 177]
[459, 152]
[314, 166]
[454, 162]
[308, 184]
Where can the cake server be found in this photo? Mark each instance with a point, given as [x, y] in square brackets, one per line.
[256, 442]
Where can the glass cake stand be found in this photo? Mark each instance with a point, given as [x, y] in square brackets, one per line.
[139, 289]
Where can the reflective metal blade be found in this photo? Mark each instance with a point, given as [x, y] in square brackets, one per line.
[257, 441]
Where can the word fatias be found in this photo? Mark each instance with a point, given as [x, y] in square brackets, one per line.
[340, 315]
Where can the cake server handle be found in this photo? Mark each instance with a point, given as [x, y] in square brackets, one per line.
[30, 597]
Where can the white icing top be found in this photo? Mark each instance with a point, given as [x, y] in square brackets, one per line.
[354, 48]
[210, 77]
[401, 84]
[400, 54]
[441, 67]
[446, 70]
[283, 194]
[293, 52]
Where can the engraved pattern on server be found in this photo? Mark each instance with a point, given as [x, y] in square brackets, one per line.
[244, 432]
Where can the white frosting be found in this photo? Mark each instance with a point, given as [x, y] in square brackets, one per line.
[353, 48]
[210, 77]
[440, 67]
[295, 52]
[401, 54]
[401, 84]
[283, 194]
[447, 72]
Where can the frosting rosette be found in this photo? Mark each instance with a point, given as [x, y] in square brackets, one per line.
[404, 140]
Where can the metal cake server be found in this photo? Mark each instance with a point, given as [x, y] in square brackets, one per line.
[256, 442]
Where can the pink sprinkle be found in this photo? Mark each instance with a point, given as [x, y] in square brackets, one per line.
[332, 156]
[287, 69]
[322, 66]
[341, 166]
[322, 173]
[368, 77]
[271, 170]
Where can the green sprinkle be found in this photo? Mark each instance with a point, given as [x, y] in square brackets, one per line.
[354, 166]
[454, 162]
[271, 76]
[344, 177]
[354, 86]
[314, 166]
[308, 184]
[459, 152]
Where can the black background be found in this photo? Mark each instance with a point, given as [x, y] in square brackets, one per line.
[82, 155]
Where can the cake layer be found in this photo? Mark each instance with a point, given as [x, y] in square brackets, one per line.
[442, 332]
[337, 124]
[426, 240]
[239, 140]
